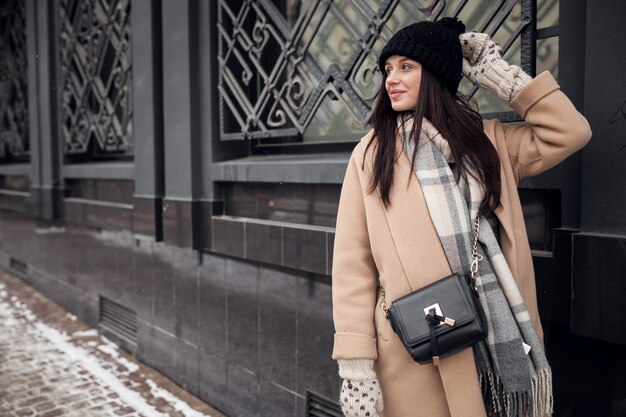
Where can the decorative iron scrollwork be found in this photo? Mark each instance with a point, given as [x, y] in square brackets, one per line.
[95, 61]
[287, 65]
[14, 143]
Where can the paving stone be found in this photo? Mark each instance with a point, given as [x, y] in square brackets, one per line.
[52, 365]
[53, 413]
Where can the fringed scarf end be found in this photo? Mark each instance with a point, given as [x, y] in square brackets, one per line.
[536, 402]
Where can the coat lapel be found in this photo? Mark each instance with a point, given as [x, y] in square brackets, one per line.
[416, 241]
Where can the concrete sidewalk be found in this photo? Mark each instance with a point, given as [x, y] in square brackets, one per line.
[52, 364]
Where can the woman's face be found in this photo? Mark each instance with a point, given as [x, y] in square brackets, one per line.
[403, 81]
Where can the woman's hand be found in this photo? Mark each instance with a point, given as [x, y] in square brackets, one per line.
[360, 391]
[484, 66]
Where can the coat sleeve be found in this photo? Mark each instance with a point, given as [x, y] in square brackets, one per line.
[554, 129]
[354, 274]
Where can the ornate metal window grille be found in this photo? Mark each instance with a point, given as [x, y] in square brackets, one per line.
[96, 68]
[14, 144]
[307, 69]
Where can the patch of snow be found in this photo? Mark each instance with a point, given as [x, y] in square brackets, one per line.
[109, 350]
[86, 333]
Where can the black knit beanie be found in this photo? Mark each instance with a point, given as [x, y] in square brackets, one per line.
[435, 45]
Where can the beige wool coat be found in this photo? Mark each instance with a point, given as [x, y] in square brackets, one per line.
[399, 247]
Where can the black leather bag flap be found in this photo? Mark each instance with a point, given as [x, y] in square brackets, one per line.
[451, 295]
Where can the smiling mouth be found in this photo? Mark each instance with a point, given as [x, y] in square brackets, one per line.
[395, 93]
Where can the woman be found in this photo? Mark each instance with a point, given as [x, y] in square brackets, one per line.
[413, 187]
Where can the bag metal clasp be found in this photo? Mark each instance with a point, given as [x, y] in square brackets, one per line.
[438, 312]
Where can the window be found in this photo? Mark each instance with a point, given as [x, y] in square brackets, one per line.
[305, 72]
[96, 68]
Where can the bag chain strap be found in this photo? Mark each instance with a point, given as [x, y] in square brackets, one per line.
[475, 255]
[473, 267]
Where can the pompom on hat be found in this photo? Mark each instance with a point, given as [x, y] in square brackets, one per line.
[435, 45]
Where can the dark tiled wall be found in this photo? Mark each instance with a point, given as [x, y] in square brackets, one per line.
[300, 247]
[247, 338]
[598, 307]
[14, 190]
[116, 191]
[314, 204]
[13, 200]
[15, 182]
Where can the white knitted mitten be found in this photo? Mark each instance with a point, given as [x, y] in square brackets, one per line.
[483, 65]
[360, 391]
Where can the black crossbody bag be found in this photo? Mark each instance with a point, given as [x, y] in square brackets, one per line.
[441, 318]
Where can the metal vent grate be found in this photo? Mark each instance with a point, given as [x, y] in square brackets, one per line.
[20, 267]
[119, 321]
[318, 406]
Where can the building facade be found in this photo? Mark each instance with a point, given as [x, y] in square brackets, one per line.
[170, 173]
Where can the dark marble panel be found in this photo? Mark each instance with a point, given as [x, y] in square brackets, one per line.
[553, 278]
[212, 304]
[147, 214]
[316, 371]
[144, 269]
[330, 244]
[117, 218]
[212, 379]
[49, 202]
[13, 202]
[275, 401]
[94, 214]
[98, 216]
[186, 359]
[598, 284]
[74, 211]
[301, 406]
[304, 249]
[277, 326]
[24, 240]
[89, 309]
[228, 237]
[263, 243]
[64, 294]
[163, 289]
[117, 191]
[94, 265]
[242, 391]
[316, 204]
[124, 243]
[206, 208]
[15, 182]
[242, 313]
[156, 348]
[99, 263]
[588, 374]
[186, 293]
[115, 256]
[177, 223]
[276, 202]
[240, 200]
[542, 214]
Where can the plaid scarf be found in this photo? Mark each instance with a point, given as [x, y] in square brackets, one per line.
[514, 382]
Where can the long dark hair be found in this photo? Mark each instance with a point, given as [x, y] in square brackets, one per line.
[456, 121]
